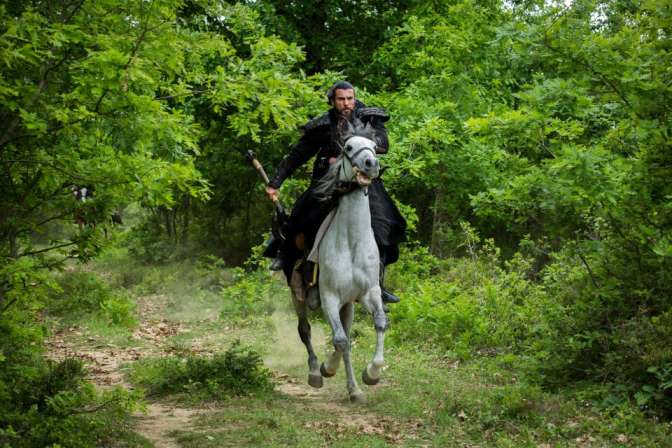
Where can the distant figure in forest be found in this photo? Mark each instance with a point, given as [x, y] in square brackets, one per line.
[82, 194]
[321, 138]
[86, 212]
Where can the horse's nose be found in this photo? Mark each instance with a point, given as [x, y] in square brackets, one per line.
[371, 167]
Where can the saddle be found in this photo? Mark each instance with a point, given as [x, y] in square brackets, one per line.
[306, 270]
[304, 282]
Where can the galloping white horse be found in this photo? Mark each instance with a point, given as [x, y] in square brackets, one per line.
[349, 264]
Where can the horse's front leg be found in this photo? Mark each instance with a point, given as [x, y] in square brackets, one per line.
[339, 321]
[371, 374]
[347, 315]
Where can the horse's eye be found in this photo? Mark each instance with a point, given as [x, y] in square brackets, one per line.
[348, 148]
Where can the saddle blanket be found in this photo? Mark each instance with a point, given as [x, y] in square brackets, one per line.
[313, 256]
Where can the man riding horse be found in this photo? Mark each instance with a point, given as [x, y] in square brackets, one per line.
[321, 138]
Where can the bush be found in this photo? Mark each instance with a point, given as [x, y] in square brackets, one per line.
[238, 371]
[251, 294]
[84, 294]
[562, 329]
[467, 306]
[51, 404]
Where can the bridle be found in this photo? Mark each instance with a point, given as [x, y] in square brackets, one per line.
[352, 184]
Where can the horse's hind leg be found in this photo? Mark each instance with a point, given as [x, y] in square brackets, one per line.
[371, 374]
[314, 376]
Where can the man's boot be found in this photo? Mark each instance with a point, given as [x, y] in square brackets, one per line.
[386, 295]
[278, 263]
[272, 250]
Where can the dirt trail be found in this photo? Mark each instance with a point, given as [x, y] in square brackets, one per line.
[332, 398]
[105, 363]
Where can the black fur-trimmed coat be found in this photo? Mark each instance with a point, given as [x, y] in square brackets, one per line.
[320, 139]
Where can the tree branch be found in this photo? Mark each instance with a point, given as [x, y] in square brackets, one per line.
[41, 251]
[191, 93]
[590, 271]
[609, 83]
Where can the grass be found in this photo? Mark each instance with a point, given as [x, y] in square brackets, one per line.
[426, 397]
[278, 421]
[427, 405]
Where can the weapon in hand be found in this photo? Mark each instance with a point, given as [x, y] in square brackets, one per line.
[280, 216]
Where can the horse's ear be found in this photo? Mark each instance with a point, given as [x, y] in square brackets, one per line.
[345, 130]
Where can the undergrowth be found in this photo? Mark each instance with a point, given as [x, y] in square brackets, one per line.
[47, 403]
[84, 295]
[238, 371]
[558, 330]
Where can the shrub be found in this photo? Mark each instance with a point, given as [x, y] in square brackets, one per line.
[84, 294]
[252, 293]
[51, 404]
[238, 371]
[468, 305]
[562, 328]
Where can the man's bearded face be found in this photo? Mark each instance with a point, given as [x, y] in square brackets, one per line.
[344, 101]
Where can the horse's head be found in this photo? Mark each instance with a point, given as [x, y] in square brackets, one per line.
[363, 165]
[357, 165]
[358, 144]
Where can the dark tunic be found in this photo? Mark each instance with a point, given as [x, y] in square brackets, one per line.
[320, 139]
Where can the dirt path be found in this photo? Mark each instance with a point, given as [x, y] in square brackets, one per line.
[105, 363]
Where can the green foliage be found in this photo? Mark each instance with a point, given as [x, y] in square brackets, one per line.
[251, 294]
[238, 371]
[468, 306]
[530, 152]
[51, 404]
[560, 329]
[336, 35]
[83, 294]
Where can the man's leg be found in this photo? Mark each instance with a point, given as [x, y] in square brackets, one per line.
[285, 251]
[307, 215]
[387, 253]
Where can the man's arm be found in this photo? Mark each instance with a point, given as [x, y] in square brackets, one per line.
[382, 144]
[307, 146]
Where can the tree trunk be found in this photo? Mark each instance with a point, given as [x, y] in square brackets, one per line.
[186, 205]
[13, 244]
[438, 221]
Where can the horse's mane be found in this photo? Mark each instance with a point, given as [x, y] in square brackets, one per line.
[326, 186]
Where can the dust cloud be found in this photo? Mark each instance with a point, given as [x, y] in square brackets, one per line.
[289, 352]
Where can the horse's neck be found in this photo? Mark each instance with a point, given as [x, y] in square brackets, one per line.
[354, 216]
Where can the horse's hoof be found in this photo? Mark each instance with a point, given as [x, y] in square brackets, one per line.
[368, 380]
[323, 371]
[357, 397]
[315, 380]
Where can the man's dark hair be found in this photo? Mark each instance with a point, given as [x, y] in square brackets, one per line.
[338, 85]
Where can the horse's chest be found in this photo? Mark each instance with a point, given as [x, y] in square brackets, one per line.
[359, 272]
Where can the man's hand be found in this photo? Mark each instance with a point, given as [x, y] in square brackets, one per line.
[272, 193]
